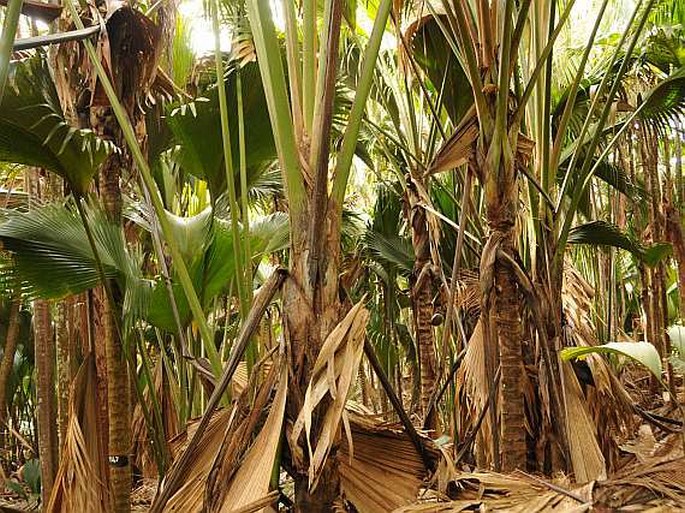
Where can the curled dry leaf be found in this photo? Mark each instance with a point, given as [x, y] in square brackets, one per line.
[250, 485]
[334, 372]
[80, 484]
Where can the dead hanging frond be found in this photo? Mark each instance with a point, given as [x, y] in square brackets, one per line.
[385, 472]
[189, 496]
[81, 481]
[332, 377]
[218, 455]
[249, 487]
[474, 389]
[587, 460]
[467, 292]
[239, 433]
[609, 404]
[459, 148]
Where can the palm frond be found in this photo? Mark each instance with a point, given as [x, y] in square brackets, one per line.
[665, 102]
[33, 130]
[49, 252]
[601, 233]
[196, 128]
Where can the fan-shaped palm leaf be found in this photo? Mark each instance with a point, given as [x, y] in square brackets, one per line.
[33, 130]
[196, 127]
[665, 102]
[49, 253]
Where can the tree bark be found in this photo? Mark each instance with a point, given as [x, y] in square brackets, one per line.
[674, 233]
[45, 391]
[64, 369]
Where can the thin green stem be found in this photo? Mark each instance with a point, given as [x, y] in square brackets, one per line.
[342, 169]
[540, 65]
[587, 171]
[273, 79]
[9, 31]
[308, 62]
[243, 188]
[228, 164]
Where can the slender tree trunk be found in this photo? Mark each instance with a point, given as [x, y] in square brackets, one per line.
[9, 349]
[45, 391]
[674, 233]
[64, 369]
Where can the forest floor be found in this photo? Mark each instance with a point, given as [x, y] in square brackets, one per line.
[649, 476]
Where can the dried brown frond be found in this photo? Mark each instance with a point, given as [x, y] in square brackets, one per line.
[460, 147]
[251, 482]
[586, 457]
[609, 404]
[516, 493]
[474, 389]
[661, 483]
[333, 374]
[81, 481]
[143, 455]
[385, 470]
[189, 496]
[222, 451]
[237, 438]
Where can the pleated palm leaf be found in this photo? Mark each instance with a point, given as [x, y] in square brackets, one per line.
[33, 130]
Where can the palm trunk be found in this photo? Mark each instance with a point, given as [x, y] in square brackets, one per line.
[64, 369]
[674, 233]
[8, 356]
[502, 308]
[421, 284]
[118, 389]
[507, 311]
[45, 391]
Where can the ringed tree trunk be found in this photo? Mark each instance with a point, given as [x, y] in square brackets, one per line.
[502, 306]
[421, 292]
[118, 393]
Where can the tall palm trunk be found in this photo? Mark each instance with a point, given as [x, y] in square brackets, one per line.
[502, 314]
[118, 393]
[65, 361]
[311, 311]
[45, 391]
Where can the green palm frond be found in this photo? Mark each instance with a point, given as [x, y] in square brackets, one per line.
[49, 255]
[601, 233]
[665, 103]
[33, 130]
[213, 271]
[196, 128]
[390, 250]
